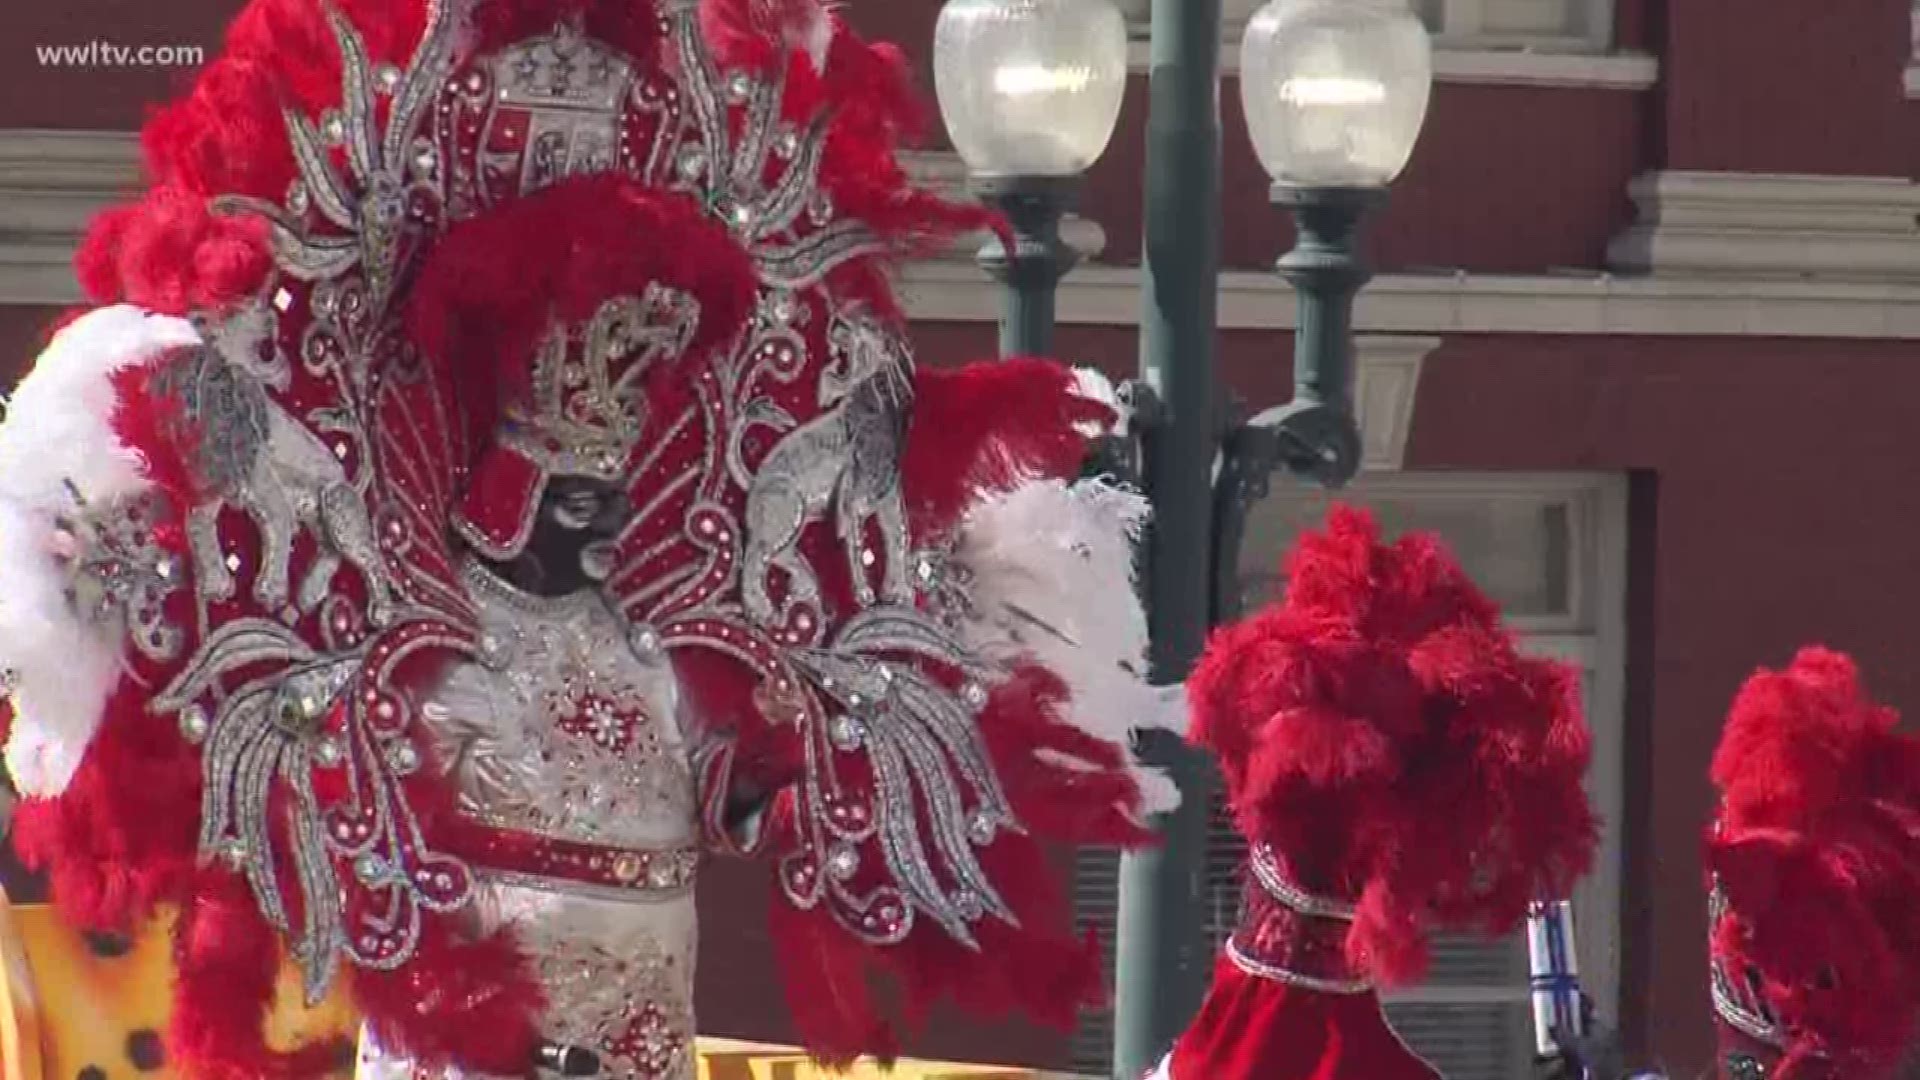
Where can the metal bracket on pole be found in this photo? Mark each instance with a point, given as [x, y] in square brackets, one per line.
[1120, 457]
[1316, 435]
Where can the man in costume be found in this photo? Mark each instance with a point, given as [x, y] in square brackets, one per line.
[1813, 863]
[1396, 766]
[497, 480]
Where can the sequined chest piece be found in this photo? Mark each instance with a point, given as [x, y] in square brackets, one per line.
[582, 744]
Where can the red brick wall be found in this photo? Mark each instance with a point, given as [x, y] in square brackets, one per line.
[23, 329]
[111, 98]
[1505, 179]
[1784, 516]
[1786, 87]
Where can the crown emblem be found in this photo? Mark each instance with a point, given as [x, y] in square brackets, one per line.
[558, 106]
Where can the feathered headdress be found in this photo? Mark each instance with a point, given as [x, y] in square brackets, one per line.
[396, 226]
[1814, 866]
[1387, 747]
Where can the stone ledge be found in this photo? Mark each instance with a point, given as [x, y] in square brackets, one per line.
[1776, 226]
[1462, 303]
[51, 182]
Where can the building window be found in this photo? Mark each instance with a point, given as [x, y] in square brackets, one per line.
[1572, 26]
[1913, 53]
[1551, 549]
[1567, 26]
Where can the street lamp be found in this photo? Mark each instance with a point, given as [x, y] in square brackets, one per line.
[1334, 93]
[1030, 90]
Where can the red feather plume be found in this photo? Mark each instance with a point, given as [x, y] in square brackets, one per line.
[1380, 729]
[1816, 851]
[988, 426]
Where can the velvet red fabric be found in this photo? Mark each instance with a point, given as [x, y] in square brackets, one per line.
[496, 515]
[1250, 1028]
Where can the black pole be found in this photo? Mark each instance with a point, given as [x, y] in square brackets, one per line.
[1031, 272]
[1162, 955]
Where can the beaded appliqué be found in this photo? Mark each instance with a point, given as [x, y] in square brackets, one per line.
[630, 1004]
[588, 409]
[899, 793]
[574, 737]
[847, 461]
[378, 205]
[257, 457]
[119, 576]
[558, 108]
[327, 457]
[1289, 935]
[1738, 1000]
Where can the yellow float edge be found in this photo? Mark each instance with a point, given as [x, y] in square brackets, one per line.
[21, 1032]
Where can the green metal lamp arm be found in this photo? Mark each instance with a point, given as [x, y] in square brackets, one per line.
[1037, 259]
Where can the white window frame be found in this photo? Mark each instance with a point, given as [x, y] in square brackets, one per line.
[1465, 56]
[1463, 28]
[1913, 50]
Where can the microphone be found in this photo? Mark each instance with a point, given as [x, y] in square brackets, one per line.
[563, 1060]
[1553, 976]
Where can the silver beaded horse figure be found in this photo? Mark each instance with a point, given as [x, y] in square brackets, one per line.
[255, 456]
[847, 458]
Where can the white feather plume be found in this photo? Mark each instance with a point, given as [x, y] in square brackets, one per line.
[1051, 571]
[1091, 384]
[58, 433]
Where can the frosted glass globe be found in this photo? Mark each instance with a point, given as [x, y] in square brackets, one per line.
[1335, 90]
[1030, 87]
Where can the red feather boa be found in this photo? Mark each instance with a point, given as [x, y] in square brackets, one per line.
[1383, 733]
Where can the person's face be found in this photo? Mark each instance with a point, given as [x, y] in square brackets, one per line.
[573, 535]
[577, 508]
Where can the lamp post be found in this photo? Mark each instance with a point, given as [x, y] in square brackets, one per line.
[1335, 92]
[1160, 947]
[1030, 91]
